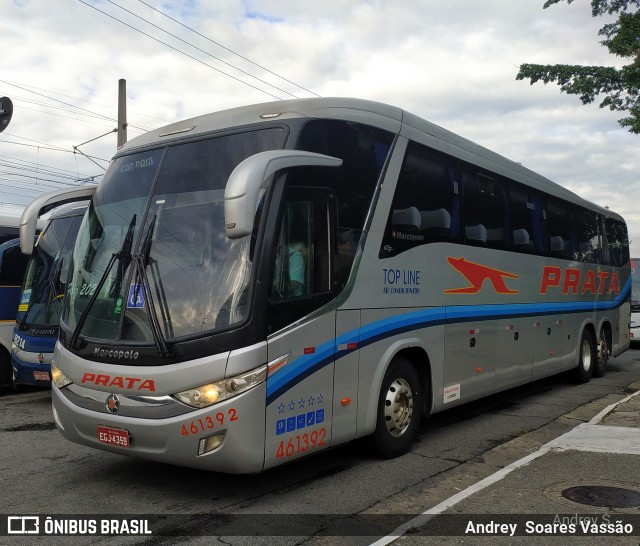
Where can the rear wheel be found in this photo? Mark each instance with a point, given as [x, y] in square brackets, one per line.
[399, 409]
[587, 359]
[602, 355]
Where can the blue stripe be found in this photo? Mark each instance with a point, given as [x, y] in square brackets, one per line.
[326, 353]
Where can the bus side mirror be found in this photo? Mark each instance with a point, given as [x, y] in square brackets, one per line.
[246, 180]
[43, 204]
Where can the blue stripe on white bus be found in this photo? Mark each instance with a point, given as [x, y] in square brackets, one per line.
[326, 353]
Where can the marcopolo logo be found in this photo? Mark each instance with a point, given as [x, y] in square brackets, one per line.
[407, 236]
[115, 353]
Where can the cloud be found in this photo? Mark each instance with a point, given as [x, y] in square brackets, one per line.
[453, 63]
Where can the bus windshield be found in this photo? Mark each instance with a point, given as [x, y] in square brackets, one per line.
[152, 259]
[45, 280]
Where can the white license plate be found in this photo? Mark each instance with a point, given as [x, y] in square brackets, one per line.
[41, 376]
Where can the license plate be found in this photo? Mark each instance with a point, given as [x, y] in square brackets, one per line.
[41, 376]
[113, 436]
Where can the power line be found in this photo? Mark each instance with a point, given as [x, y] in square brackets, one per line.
[19, 162]
[179, 51]
[29, 87]
[227, 49]
[202, 50]
[44, 147]
[79, 110]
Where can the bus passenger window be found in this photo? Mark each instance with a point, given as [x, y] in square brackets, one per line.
[526, 220]
[426, 203]
[558, 226]
[483, 209]
[618, 242]
[587, 237]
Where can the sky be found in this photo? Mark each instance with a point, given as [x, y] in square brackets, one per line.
[451, 62]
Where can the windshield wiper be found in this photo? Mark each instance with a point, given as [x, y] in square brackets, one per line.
[124, 252]
[140, 262]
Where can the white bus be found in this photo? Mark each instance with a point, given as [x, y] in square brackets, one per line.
[258, 284]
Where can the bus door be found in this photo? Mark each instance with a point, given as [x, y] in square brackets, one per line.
[301, 352]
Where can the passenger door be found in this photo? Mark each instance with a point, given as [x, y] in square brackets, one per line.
[301, 350]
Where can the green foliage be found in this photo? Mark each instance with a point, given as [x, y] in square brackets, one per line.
[619, 86]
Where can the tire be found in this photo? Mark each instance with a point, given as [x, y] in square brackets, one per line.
[602, 355]
[399, 409]
[587, 358]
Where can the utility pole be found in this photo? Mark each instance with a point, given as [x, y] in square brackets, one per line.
[122, 112]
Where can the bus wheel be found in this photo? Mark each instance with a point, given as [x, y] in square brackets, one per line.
[399, 409]
[602, 355]
[587, 358]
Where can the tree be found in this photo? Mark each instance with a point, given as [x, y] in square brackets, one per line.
[619, 86]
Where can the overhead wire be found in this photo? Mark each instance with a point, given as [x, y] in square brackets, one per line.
[40, 170]
[79, 110]
[28, 87]
[226, 48]
[203, 51]
[178, 50]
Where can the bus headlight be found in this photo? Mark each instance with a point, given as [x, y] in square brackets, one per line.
[14, 348]
[212, 393]
[58, 378]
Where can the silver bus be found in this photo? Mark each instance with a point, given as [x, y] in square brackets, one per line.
[255, 285]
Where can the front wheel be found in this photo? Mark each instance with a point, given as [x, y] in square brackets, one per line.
[587, 358]
[399, 409]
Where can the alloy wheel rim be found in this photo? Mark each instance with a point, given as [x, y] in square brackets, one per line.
[398, 407]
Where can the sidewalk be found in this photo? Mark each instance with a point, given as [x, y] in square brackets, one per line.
[577, 474]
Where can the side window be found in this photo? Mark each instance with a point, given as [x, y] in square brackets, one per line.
[526, 221]
[303, 268]
[587, 249]
[363, 150]
[14, 265]
[484, 209]
[559, 229]
[7, 233]
[292, 272]
[426, 204]
[617, 241]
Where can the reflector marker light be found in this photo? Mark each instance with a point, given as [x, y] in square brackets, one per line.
[278, 363]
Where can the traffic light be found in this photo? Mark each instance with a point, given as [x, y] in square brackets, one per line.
[6, 110]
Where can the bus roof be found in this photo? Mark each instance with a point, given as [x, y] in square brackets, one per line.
[367, 112]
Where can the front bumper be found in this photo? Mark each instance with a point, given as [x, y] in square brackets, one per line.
[31, 373]
[175, 439]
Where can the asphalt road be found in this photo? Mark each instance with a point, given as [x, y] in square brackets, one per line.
[42, 473]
